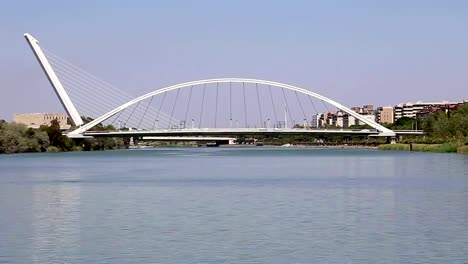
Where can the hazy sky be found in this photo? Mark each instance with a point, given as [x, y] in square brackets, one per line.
[357, 52]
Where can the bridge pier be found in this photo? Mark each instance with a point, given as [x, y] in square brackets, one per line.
[391, 140]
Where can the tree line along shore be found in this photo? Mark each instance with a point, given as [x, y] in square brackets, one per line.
[445, 132]
[17, 138]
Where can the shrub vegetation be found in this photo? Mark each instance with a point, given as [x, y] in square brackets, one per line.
[17, 138]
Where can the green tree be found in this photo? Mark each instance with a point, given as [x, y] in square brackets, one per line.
[444, 127]
[16, 138]
[403, 123]
[3, 123]
[56, 138]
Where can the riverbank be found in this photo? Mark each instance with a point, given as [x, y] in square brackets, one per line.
[315, 146]
[329, 146]
[439, 148]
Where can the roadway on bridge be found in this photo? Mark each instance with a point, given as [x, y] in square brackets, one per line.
[240, 132]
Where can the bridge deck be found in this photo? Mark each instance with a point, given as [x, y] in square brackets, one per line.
[240, 132]
[227, 132]
[189, 138]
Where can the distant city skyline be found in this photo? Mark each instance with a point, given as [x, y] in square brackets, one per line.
[356, 53]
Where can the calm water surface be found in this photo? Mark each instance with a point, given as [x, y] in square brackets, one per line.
[215, 205]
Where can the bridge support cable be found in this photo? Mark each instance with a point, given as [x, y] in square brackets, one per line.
[245, 106]
[87, 83]
[156, 120]
[259, 106]
[201, 109]
[146, 109]
[313, 105]
[145, 118]
[117, 117]
[230, 104]
[80, 82]
[273, 104]
[216, 106]
[288, 110]
[326, 107]
[188, 104]
[300, 105]
[87, 105]
[77, 88]
[94, 107]
[93, 80]
[130, 116]
[173, 107]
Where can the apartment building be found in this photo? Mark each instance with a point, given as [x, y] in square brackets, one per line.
[385, 115]
[412, 110]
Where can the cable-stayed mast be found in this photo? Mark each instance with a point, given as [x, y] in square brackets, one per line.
[54, 81]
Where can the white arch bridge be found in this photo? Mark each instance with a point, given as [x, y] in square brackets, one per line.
[378, 129]
[212, 107]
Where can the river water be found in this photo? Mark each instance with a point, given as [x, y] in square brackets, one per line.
[234, 205]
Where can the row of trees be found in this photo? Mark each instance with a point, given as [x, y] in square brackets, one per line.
[440, 127]
[451, 126]
[17, 138]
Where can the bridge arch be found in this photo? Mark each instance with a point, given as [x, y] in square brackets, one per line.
[383, 130]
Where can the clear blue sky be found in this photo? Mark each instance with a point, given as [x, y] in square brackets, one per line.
[357, 52]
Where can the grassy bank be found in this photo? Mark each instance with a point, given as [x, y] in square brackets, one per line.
[440, 148]
[463, 149]
[394, 147]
